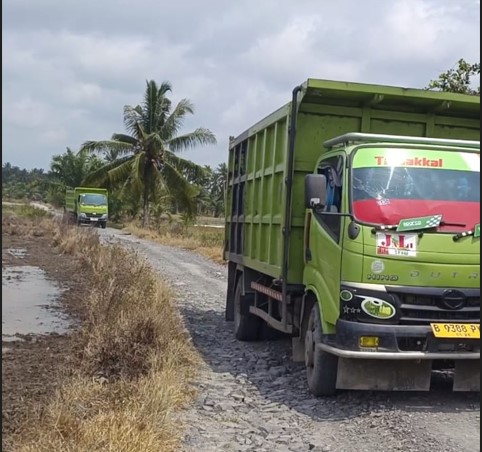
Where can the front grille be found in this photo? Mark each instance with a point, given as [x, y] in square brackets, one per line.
[424, 309]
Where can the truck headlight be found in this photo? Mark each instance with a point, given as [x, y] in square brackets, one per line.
[82, 215]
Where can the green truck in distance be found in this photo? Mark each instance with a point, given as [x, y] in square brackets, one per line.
[353, 226]
[85, 205]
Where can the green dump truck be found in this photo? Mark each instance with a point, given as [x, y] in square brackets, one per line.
[86, 205]
[352, 225]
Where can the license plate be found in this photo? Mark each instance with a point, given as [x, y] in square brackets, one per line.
[456, 330]
[93, 219]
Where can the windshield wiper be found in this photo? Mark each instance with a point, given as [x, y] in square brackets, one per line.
[419, 224]
[475, 232]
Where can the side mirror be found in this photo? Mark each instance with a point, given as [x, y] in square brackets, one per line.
[315, 191]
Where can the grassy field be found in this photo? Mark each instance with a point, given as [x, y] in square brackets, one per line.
[207, 240]
[137, 359]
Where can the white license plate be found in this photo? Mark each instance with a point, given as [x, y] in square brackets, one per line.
[93, 219]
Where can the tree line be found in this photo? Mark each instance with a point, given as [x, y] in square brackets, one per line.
[142, 169]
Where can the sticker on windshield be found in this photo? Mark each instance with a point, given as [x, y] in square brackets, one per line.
[412, 224]
[389, 244]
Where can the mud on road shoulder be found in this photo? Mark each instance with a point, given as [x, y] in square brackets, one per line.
[33, 366]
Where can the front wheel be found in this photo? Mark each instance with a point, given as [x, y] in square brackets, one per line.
[247, 326]
[321, 367]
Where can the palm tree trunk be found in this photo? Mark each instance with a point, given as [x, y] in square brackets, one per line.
[145, 218]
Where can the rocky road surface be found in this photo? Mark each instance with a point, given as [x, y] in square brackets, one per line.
[253, 398]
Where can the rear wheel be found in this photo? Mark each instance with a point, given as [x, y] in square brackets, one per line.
[247, 326]
[321, 367]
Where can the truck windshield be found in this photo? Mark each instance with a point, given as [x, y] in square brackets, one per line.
[392, 184]
[93, 199]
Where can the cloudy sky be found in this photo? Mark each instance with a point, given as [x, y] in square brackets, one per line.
[69, 66]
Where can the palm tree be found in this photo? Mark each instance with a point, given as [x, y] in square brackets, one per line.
[147, 155]
[70, 169]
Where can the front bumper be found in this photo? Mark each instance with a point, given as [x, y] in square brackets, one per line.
[92, 220]
[397, 342]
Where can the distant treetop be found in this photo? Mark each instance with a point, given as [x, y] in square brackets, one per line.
[458, 79]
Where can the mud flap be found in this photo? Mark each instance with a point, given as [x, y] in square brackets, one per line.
[384, 375]
[467, 375]
[297, 350]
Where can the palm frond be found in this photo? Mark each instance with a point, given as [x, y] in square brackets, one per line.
[186, 166]
[101, 175]
[200, 136]
[175, 120]
[133, 121]
[156, 105]
[183, 192]
[121, 172]
[123, 138]
[105, 146]
[137, 172]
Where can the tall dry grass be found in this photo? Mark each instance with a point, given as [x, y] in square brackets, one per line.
[24, 220]
[205, 240]
[136, 364]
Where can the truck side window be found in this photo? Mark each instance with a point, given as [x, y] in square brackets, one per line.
[332, 168]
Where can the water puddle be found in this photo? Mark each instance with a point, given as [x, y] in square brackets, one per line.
[28, 303]
[17, 252]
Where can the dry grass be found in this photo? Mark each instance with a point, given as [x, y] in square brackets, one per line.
[136, 366]
[24, 220]
[205, 240]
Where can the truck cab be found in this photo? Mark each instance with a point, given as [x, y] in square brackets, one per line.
[86, 205]
[392, 253]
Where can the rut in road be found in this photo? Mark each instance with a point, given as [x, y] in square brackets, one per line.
[253, 398]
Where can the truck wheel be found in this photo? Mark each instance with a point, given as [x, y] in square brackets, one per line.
[246, 326]
[103, 225]
[321, 367]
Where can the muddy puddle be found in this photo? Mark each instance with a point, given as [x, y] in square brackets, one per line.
[29, 303]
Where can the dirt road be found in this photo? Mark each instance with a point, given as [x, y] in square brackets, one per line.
[252, 398]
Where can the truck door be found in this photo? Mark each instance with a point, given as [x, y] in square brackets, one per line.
[323, 268]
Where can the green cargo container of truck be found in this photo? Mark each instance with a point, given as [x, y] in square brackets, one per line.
[87, 205]
[352, 224]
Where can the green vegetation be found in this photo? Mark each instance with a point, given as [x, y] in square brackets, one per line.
[18, 184]
[458, 80]
[147, 163]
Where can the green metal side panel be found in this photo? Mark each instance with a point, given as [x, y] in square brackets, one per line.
[258, 159]
[70, 200]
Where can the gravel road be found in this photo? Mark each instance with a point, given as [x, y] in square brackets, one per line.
[253, 398]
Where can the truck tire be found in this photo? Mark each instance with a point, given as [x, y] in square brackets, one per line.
[103, 225]
[321, 367]
[247, 326]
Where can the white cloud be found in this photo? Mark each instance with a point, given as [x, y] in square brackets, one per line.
[82, 92]
[27, 113]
